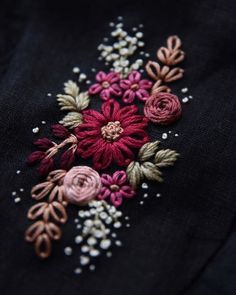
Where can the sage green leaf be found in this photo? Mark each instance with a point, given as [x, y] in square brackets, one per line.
[72, 120]
[134, 174]
[151, 172]
[148, 150]
[165, 158]
[71, 88]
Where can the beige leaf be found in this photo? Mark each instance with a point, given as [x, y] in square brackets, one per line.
[71, 88]
[165, 158]
[134, 174]
[151, 172]
[82, 101]
[67, 102]
[148, 150]
[72, 120]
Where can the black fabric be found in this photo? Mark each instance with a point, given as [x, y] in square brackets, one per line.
[176, 244]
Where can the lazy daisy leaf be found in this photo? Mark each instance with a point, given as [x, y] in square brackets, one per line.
[165, 158]
[71, 88]
[134, 174]
[151, 172]
[148, 150]
[72, 120]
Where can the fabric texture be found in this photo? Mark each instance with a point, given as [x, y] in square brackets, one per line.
[176, 244]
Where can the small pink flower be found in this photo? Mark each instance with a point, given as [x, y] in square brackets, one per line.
[114, 187]
[135, 87]
[108, 85]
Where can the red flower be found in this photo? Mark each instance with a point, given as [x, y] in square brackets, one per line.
[108, 85]
[112, 135]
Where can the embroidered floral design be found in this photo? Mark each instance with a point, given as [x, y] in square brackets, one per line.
[116, 188]
[81, 185]
[162, 108]
[107, 86]
[112, 135]
[116, 136]
[135, 87]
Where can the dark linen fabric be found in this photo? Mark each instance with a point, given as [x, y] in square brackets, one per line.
[181, 243]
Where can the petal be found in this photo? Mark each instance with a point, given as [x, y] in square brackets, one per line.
[88, 147]
[124, 152]
[101, 76]
[126, 112]
[131, 130]
[115, 89]
[145, 84]
[106, 94]
[95, 88]
[113, 77]
[128, 96]
[134, 77]
[142, 94]
[104, 193]
[119, 177]
[139, 120]
[136, 142]
[110, 110]
[94, 117]
[116, 199]
[102, 157]
[106, 179]
[125, 84]
[127, 191]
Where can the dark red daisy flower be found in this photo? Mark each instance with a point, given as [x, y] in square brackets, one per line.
[112, 135]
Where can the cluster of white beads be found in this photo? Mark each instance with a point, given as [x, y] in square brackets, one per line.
[117, 54]
[96, 225]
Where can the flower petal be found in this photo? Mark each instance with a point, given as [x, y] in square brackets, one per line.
[128, 96]
[104, 193]
[116, 199]
[145, 84]
[119, 177]
[102, 157]
[142, 94]
[125, 84]
[95, 88]
[107, 179]
[101, 76]
[113, 77]
[127, 191]
[115, 89]
[134, 77]
[110, 110]
[106, 94]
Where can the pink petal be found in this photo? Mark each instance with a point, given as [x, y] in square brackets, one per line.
[110, 109]
[104, 193]
[142, 94]
[95, 88]
[145, 84]
[113, 77]
[134, 77]
[128, 96]
[125, 84]
[106, 94]
[119, 177]
[127, 191]
[115, 89]
[107, 179]
[102, 158]
[101, 76]
[116, 199]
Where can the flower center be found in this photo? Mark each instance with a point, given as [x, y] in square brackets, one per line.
[105, 84]
[111, 131]
[135, 87]
[114, 187]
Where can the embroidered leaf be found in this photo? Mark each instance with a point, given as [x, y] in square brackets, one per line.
[134, 173]
[72, 120]
[71, 88]
[77, 103]
[165, 158]
[148, 150]
[151, 171]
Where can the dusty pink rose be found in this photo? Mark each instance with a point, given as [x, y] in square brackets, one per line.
[115, 188]
[134, 87]
[162, 108]
[107, 86]
[81, 185]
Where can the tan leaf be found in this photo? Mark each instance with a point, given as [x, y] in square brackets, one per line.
[72, 120]
[148, 150]
[82, 101]
[151, 172]
[71, 88]
[165, 158]
[134, 174]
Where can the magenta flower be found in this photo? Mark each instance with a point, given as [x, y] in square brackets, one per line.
[135, 87]
[114, 187]
[108, 85]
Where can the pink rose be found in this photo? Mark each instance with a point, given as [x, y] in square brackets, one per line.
[81, 185]
[162, 108]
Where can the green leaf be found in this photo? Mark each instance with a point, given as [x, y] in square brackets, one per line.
[148, 150]
[151, 172]
[134, 174]
[165, 158]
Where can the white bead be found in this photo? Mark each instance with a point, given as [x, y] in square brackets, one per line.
[92, 267]
[94, 252]
[176, 134]
[17, 200]
[43, 122]
[68, 251]
[111, 24]
[77, 270]
[124, 51]
[118, 243]
[185, 100]
[144, 185]
[134, 29]
[164, 135]
[119, 25]
[91, 241]
[35, 130]
[184, 90]
[114, 235]
[13, 193]
[139, 35]
[18, 172]
[158, 195]
[108, 220]
[82, 76]
[141, 202]
[49, 94]
[105, 244]
[109, 254]
[85, 249]
[22, 190]
[145, 195]
[76, 70]
[84, 260]
[78, 239]
[81, 213]
[98, 233]
[117, 224]
[141, 43]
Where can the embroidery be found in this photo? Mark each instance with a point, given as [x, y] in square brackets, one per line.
[116, 141]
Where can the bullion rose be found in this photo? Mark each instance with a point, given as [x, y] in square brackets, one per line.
[162, 108]
[81, 185]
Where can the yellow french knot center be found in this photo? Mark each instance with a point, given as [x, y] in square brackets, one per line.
[112, 131]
